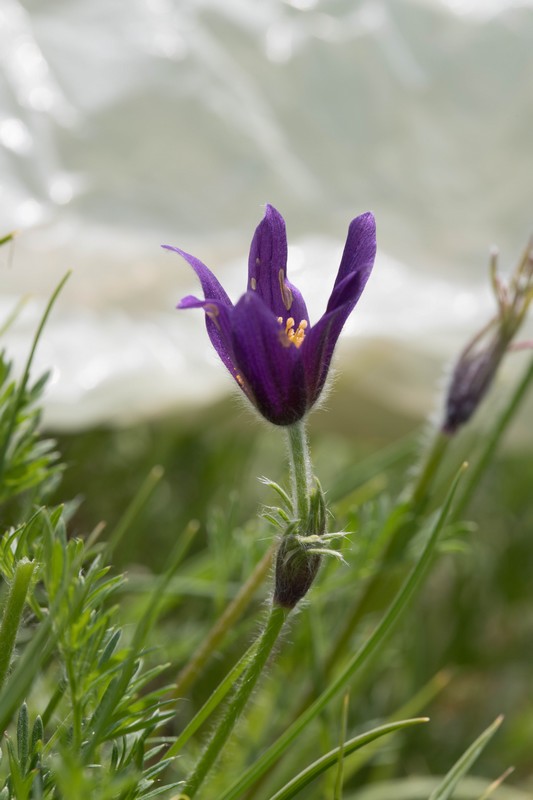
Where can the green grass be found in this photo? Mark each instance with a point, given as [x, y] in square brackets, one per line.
[472, 619]
[146, 554]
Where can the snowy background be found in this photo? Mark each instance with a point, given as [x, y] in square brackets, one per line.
[127, 125]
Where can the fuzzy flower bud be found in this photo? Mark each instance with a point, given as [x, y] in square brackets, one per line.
[478, 363]
[300, 555]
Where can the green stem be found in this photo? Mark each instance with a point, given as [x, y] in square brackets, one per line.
[226, 724]
[213, 701]
[300, 464]
[225, 623]
[137, 504]
[12, 614]
[419, 492]
[403, 528]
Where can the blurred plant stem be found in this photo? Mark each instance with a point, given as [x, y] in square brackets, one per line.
[419, 493]
[301, 481]
[405, 525]
[225, 623]
[227, 722]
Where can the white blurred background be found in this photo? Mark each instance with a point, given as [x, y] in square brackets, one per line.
[125, 125]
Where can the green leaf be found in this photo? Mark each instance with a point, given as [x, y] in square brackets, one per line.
[8, 237]
[23, 736]
[341, 750]
[214, 700]
[100, 726]
[311, 772]
[461, 767]
[37, 734]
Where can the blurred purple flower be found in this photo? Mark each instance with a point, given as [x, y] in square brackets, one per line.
[278, 359]
[479, 362]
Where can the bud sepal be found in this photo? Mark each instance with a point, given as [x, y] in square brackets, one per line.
[301, 550]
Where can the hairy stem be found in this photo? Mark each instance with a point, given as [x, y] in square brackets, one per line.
[226, 724]
[300, 465]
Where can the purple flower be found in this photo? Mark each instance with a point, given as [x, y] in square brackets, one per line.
[479, 362]
[278, 359]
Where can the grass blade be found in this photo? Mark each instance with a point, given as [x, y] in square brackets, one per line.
[461, 767]
[212, 702]
[311, 772]
[341, 750]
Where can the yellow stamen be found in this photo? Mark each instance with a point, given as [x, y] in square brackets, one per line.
[292, 336]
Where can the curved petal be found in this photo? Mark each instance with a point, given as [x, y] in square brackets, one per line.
[319, 344]
[269, 365]
[218, 321]
[211, 287]
[357, 259]
[267, 269]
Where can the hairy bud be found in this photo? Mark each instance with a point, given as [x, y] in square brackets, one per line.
[296, 569]
[299, 555]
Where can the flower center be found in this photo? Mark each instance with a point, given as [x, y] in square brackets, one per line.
[292, 336]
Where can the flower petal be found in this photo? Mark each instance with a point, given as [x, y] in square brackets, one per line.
[212, 288]
[217, 306]
[317, 350]
[267, 269]
[356, 266]
[269, 365]
[218, 323]
[357, 259]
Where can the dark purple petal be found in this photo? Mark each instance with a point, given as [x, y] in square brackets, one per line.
[357, 258]
[211, 287]
[317, 351]
[349, 290]
[219, 326]
[320, 341]
[191, 302]
[269, 365]
[267, 269]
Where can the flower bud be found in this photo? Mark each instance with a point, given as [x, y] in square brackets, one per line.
[478, 363]
[296, 569]
[471, 380]
[299, 557]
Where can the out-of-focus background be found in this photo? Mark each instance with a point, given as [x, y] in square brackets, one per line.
[124, 126]
[174, 121]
